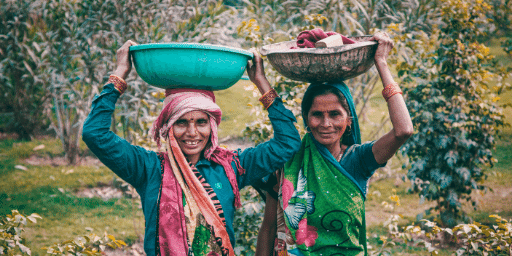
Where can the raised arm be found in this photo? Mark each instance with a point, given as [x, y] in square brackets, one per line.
[256, 73]
[273, 154]
[386, 146]
[127, 161]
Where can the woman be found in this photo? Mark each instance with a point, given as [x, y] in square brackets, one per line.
[323, 188]
[189, 193]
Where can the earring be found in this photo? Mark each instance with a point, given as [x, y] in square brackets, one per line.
[347, 132]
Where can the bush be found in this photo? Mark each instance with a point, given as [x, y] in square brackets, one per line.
[454, 108]
[11, 239]
[11, 229]
[90, 245]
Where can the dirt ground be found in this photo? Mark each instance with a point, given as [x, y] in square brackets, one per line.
[61, 161]
[229, 143]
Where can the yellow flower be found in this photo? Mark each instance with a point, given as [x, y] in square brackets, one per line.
[394, 27]
[395, 199]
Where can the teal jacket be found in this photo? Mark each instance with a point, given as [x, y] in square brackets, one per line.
[141, 168]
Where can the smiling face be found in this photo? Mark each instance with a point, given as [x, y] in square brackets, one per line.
[192, 132]
[328, 120]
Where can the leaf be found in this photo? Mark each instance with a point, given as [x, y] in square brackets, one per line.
[39, 147]
[121, 242]
[24, 249]
[451, 158]
[20, 167]
[33, 217]
[463, 173]
[28, 68]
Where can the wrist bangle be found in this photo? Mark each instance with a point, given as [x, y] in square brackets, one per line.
[119, 83]
[390, 90]
[268, 98]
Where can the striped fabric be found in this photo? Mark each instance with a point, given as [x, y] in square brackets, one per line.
[211, 193]
[197, 199]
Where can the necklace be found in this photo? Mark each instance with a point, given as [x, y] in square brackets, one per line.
[339, 156]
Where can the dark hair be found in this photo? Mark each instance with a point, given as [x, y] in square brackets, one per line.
[318, 90]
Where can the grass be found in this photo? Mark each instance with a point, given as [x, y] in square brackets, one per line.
[48, 191]
[235, 103]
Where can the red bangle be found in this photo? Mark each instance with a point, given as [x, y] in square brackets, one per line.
[390, 90]
[268, 98]
[119, 83]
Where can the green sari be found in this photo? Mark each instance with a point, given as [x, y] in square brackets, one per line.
[322, 210]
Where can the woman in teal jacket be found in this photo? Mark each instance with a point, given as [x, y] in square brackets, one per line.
[189, 193]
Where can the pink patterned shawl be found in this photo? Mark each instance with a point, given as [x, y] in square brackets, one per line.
[177, 103]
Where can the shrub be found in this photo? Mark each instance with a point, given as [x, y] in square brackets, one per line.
[11, 229]
[12, 241]
[91, 244]
[454, 109]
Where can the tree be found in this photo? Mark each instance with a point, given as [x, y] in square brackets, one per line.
[74, 62]
[454, 108]
[80, 41]
[23, 92]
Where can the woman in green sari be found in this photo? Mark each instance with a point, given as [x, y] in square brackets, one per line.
[320, 208]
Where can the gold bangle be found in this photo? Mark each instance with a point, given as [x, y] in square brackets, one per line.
[119, 83]
[390, 90]
[268, 98]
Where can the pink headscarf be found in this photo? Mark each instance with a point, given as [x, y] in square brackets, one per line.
[181, 101]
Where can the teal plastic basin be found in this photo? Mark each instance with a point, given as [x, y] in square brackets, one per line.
[189, 65]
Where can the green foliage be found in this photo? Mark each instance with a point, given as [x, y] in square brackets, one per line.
[248, 221]
[477, 238]
[454, 108]
[23, 95]
[507, 45]
[464, 239]
[11, 229]
[11, 239]
[85, 245]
